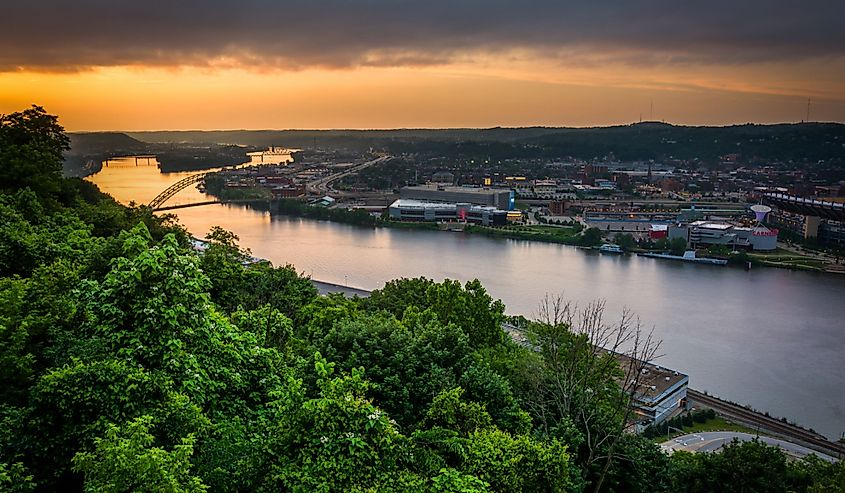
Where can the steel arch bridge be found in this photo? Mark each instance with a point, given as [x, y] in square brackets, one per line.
[176, 188]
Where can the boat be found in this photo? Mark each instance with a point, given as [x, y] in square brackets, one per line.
[688, 256]
[610, 248]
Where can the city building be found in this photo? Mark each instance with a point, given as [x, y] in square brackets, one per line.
[557, 207]
[415, 210]
[701, 234]
[496, 198]
[811, 218]
[545, 186]
[659, 393]
[657, 231]
[604, 184]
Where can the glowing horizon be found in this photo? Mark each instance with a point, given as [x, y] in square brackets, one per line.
[136, 67]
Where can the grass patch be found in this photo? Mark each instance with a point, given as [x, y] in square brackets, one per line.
[716, 424]
[549, 234]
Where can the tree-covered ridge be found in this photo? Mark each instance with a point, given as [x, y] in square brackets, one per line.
[131, 362]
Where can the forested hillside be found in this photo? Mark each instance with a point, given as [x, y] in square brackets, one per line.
[129, 362]
[799, 143]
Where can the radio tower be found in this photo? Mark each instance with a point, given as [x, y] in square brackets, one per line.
[808, 111]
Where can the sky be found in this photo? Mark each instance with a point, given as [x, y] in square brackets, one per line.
[255, 64]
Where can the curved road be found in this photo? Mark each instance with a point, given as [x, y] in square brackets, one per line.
[321, 185]
[714, 440]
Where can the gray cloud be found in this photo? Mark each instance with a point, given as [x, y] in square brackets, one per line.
[70, 35]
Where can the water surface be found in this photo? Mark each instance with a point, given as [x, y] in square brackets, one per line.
[771, 338]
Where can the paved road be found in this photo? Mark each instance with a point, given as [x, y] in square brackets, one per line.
[321, 185]
[325, 288]
[715, 440]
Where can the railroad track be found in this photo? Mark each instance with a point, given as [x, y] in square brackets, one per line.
[748, 416]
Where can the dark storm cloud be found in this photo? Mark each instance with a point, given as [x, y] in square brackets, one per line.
[68, 35]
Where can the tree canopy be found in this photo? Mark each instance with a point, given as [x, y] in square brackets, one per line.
[131, 362]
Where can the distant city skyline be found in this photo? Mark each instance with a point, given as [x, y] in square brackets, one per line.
[230, 65]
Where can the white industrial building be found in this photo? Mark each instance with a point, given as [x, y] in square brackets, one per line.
[705, 233]
[416, 210]
[499, 198]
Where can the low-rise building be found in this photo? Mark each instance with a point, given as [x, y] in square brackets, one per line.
[415, 210]
[493, 197]
[659, 393]
[705, 233]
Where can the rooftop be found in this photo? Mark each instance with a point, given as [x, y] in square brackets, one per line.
[654, 380]
[711, 225]
[419, 204]
[478, 190]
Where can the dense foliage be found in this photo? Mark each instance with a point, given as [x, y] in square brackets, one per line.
[296, 208]
[131, 362]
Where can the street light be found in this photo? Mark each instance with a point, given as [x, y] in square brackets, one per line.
[668, 428]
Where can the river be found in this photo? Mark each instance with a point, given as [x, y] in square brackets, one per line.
[771, 338]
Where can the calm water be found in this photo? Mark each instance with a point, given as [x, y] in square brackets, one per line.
[771, 338]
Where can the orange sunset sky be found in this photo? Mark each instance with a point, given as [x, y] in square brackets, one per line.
[381, 64]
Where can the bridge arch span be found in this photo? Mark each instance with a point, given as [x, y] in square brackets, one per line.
[176, 188]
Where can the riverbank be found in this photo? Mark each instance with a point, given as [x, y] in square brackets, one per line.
[731, 416]
[565, 235]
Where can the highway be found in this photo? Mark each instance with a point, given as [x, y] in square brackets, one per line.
[321, 186]
[712, 441]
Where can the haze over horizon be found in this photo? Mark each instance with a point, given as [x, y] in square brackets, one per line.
[135, 66]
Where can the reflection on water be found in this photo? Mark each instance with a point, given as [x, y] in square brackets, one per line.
[771, 338]
[137, 179]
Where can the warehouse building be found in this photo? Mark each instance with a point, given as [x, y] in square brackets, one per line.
[416, 210]
[491, 197]
[701, 234]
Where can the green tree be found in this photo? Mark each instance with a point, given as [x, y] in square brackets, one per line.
[591, 237]
[824, 476]
[31, 147]
[409, 364]
[749, 466]
[338, 440]
[518, 463]
[581, 387]
[14, 478]
[453, 481]
[126, 460]
[450, 411]
[662, 244]
[625, 241]
[268, 324]
[469, 307]
[236, 284]
[677, 246]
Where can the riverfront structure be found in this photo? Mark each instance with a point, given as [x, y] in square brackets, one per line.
[415, 210]
[819, 219]
[660, 393]
[496, 198]
[706, 233]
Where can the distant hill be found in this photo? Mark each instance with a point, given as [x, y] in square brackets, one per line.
[331, 138]
[88, 150]
[103, 142]
[810, 142]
